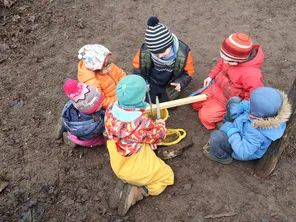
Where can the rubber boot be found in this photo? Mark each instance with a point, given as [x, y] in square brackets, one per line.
[208, 154]
[116, 194]
[130, 195]
[58, 131]
[68, 141]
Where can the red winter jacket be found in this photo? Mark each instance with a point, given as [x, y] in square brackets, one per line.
[239, 80]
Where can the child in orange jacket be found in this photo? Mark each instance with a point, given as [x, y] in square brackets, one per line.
[96, 69]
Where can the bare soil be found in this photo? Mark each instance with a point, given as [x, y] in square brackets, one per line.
[51, 182]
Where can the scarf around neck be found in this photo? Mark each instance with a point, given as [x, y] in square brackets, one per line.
[170, 60]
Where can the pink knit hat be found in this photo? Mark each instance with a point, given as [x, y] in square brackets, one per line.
[85, 98]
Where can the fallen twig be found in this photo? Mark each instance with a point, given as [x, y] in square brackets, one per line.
[229, 214]
[3, 185]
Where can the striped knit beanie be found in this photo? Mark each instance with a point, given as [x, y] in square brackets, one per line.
[85, 98]
[237, 47]
[157, 37]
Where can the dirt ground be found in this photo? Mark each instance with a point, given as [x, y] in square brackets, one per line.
[50, 182]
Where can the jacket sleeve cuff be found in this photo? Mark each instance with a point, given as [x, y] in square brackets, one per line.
[232, 131]
[245, 104]
[136, 71]
[212, 75]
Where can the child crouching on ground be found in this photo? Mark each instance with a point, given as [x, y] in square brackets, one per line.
[132, 136]
[255, 125]
[236, 74]
[97, 69]
[82, 116]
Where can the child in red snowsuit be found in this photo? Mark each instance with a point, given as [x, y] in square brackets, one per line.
[236, 74]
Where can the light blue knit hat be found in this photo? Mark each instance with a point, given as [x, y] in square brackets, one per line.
[130, 92]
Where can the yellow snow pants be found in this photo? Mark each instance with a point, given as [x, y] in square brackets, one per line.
[141, 169]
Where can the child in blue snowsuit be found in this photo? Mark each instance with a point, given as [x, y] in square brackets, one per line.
[249, 126]
[82, 116]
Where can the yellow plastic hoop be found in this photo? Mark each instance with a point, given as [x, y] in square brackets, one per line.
[180, 133]
[164, 113]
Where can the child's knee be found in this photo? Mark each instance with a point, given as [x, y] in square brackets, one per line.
[196, 106]
[216, 137]
[202, 115]
[205, 115]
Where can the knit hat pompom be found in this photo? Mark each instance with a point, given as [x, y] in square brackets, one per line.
[85, 98]
[71, 87]
[157, 37]
[152, 21]
[237, 47]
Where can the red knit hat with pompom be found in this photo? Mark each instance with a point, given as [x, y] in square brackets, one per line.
[237, 47]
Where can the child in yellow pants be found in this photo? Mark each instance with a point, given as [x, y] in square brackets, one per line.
[132, 136]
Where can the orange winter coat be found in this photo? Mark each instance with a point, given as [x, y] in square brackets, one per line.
[106, 83]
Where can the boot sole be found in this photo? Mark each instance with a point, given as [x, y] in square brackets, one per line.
[68, 141]
[123, 205]
[116, 194]
[58, 132]
[208, 154]
[175, 150]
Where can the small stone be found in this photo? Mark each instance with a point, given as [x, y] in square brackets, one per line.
[16, 18]
[2, 142]
[12, 103]
[20, 104]
[4, 47]
[68, 202]
[187, 186]
[3, 58]
[32, 18]
[49, 118]
[80, 24]
[3, 185]
[83, 191]
[8, 3]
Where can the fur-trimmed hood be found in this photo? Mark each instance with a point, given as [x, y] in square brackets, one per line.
[274, 122]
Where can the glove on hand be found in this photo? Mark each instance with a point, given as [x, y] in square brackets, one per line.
[228, 128]
[235, 109]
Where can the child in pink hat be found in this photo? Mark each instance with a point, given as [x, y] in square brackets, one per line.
[82, 117]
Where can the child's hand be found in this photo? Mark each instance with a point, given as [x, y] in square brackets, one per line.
[226, 126]
[229, 129]
[207, 81]
[160, 121]
[153, 146]
[178, 86]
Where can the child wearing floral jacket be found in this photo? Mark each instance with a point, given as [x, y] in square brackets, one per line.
[96, 69]
[132, 136]
[250, 127]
